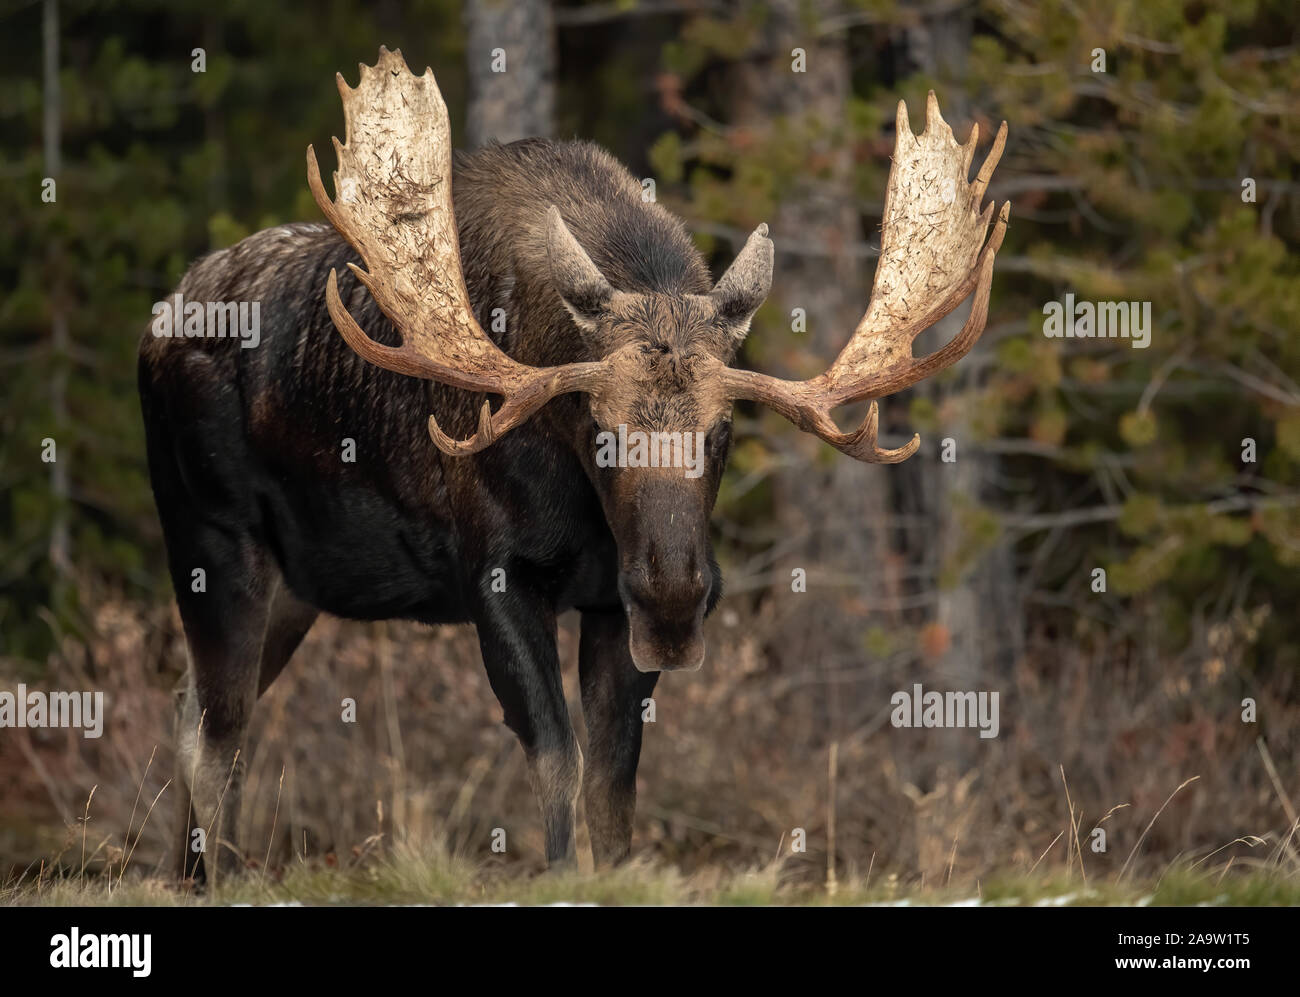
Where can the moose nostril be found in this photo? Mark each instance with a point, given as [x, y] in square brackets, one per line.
[665, 598]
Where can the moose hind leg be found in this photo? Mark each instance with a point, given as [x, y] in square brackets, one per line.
[613, 694]
[225, 627]
[287, 625]
[188, 858]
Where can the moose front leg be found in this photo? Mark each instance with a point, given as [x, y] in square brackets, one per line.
[516, 632]
[613, 696]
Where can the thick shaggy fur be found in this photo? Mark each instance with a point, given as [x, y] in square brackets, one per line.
[246, 457]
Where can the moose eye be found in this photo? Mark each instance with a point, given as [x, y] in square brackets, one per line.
[720, 438]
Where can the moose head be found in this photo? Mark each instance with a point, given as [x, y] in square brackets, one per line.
[659, 364]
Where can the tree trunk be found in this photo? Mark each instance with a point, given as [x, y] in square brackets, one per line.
[60, 545]
[510, 49]
[974, 610]
[976, 606]
[833, 511]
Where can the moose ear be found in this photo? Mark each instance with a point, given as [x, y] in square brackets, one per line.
[745, 285]
[582, 288]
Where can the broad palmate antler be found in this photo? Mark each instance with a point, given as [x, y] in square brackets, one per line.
[394, 206]
[932, 256]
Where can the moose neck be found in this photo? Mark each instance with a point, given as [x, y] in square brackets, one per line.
[502, 193]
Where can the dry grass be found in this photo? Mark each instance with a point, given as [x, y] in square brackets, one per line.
[408, 875]
[736, 762]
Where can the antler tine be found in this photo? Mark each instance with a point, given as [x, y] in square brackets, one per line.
[544, 384]
[861, 443]
[933, 255]
[393, 204]
[990, 162]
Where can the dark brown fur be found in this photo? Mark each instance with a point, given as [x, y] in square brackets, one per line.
[245, 456]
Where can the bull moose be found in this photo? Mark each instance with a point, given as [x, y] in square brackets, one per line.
[611, 320]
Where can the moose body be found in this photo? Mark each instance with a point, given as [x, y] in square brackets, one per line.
[246, 454]
[352, 462]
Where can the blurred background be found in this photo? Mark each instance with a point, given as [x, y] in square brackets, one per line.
[1151, 157]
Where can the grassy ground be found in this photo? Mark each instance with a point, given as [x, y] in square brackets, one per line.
[1196, 805]
[407, 877]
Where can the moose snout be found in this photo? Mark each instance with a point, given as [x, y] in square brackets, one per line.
[665, 625]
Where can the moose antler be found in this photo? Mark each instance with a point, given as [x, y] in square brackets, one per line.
[393, 204]
[932, 256]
